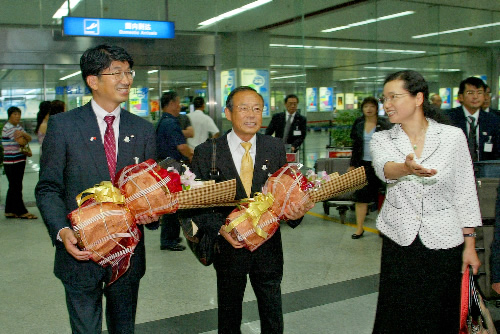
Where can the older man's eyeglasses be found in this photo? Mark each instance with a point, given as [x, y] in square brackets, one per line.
[392, 97]
[119, 75]
[246, 109]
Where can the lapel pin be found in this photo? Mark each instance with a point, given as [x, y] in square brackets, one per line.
[131, 136]
[92, 138]
[126, 139]
[136, 160]
[264, 166]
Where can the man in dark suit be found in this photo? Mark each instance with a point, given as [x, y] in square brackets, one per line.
[82, 148]
[292, 127]
[487, 102]
[233, 263]
[484, 142]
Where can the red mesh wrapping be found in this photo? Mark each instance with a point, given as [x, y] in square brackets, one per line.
[287, 185]
[109, 232]
[149, 189]
[245, 231]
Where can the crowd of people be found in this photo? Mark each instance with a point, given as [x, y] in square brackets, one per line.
[414, 157]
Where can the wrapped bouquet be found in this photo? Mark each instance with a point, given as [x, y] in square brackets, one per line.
[257, 219]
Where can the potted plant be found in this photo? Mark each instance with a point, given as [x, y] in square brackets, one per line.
[340, 133]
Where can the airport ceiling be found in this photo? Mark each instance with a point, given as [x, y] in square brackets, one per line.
[296, 28]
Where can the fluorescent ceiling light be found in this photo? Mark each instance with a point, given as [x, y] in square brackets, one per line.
[415, 69]
[152, 71]
[495, 41]
[63, 10]
[347, 49]
[360, 23]
[232, 13]
[457, 30]
[71, 75]
[294, 66]
[31, 91]
[289, 76]
[378, 77]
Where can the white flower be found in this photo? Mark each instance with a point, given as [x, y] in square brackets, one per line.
[264, 167]
[127, 139]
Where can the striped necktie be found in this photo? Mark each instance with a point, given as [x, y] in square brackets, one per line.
[110, 146]
[472, 138]
[246, 171]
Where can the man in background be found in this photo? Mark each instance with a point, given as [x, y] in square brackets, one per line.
[204, 126]
[171, 143]
[436, 100]
[481, 128]
[289, 125]
[487, 102]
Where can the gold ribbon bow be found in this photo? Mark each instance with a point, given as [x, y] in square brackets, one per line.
[103, 192]
[260, 204]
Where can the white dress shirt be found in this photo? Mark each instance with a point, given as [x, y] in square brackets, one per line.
[435, 208]
[237, 151]
[100, 113]
[203, 125]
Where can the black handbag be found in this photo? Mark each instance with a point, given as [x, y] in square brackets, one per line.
[201, 226]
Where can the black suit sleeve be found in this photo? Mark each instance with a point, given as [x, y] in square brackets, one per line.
[50, 189]
[302, 125]
[271, 128]
[495, 246]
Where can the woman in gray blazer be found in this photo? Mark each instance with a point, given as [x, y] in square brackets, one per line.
[429, 213]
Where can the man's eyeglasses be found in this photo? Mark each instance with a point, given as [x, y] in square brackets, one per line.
[119, 75]
[392, 97]
[475, 92]
[246, 109]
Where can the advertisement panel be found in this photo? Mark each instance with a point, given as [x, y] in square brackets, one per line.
[312, 99]
[325, 98]
[258, 80]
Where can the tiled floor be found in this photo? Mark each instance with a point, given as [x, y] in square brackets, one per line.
[329, 283]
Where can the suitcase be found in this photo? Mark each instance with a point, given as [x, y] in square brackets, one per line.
[345, 201]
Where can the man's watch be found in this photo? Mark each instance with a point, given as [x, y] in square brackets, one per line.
[470, 235]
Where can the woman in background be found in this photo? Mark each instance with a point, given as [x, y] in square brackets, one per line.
[57, 106]
[14, 163]
[429, 213]
[361, 134]
[42, 119]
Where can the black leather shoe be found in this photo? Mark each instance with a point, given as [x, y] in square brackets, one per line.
[357, 236]
[175, 248]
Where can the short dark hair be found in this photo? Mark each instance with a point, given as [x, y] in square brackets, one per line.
[229, 101]
[415, 83]
[473, 81]
[43, 110]
[97, 59]
[198, 102]
[57, 106]
[371, 100]
[167, 97]
[12, 110]
[291, 96]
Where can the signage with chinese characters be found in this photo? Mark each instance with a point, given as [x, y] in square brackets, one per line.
[83, 26]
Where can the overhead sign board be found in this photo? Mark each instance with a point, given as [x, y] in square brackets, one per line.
[94, 27]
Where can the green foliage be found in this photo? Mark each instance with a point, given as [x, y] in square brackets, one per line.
[341, 129]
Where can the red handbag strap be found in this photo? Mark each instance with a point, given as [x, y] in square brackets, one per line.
[464, 301]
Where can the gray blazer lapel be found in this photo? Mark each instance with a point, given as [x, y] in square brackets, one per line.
[262, 156]
[400, 140]
[91, 136]
[432, 140]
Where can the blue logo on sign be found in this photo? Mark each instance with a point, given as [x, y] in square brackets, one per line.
[91, 27]
[259, 80]
[230, 82]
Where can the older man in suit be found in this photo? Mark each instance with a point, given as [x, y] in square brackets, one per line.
[83, 147]
[250, 158]
[291, 126]
[484, 139]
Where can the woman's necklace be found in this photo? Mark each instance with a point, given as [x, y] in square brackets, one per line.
[419, 138]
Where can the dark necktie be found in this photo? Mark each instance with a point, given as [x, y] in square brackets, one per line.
[471, 138]
[287, 128]
[110, 146]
